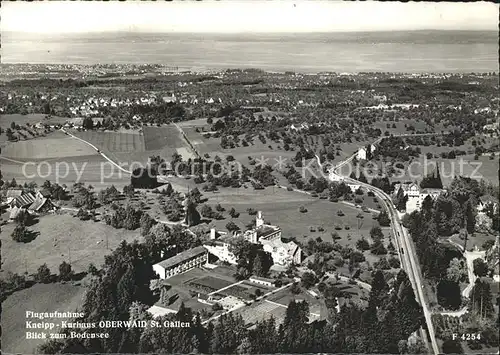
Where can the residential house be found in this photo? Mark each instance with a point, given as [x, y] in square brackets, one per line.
[23, 201]
[41, 205]
[12, 195]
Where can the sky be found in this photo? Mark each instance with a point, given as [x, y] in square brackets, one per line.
[234, 16]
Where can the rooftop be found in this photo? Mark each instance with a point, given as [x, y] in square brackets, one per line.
[181, 257]
[265, 230]
[265, 279]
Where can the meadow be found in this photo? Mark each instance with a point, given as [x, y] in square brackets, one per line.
[55, 145]
[67, 297]
[114, 141]
[62, 238]
[89, 169]
[166, 140]
[281, 207]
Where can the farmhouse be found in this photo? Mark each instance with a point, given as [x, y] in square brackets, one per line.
[14, 212]
[12, 194]
[41, 205]
[181, 262]
[23, 201]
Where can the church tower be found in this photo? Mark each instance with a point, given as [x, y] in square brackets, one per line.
[259, 221]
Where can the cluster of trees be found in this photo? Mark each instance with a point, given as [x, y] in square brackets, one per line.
[21, 233]
[383, 184]
[83, 197]
[120, 217]
[400, 200]
[144, 178]
[432, 180]
[252, 259]
[108, 195]
[122, 294]
[397, 148]
[263, 174]
[57, 192]
[449, 214]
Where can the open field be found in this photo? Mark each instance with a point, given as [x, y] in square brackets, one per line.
[62, 297]
[61, 238]
[55, 145]
[114, 141]
[90, 169]
[6, 120]
[160, 137]
[166, 140]
[281, 207]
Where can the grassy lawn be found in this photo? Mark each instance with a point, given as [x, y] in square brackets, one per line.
[476, 239]
[90, 169]
[61, 238]
[55, 145]
[159, 137]
[38, 298]
[281, 207]
[114, 141]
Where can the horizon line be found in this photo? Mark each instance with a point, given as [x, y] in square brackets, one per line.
[250, 32]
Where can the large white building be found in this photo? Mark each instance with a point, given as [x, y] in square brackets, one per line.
[181, 262]
[362, 153]
[416, 195]
[283, 253]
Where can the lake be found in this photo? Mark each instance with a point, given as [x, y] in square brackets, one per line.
[418, 51]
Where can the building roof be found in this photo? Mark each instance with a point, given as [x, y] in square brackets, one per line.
[431, 191]
[45, 192]
[181, 257]
[266, 229]
[14, 212]
[39, 203]
[13, 193]
[264, 279]
[24, 200]
[158, 311]
[290, 247]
